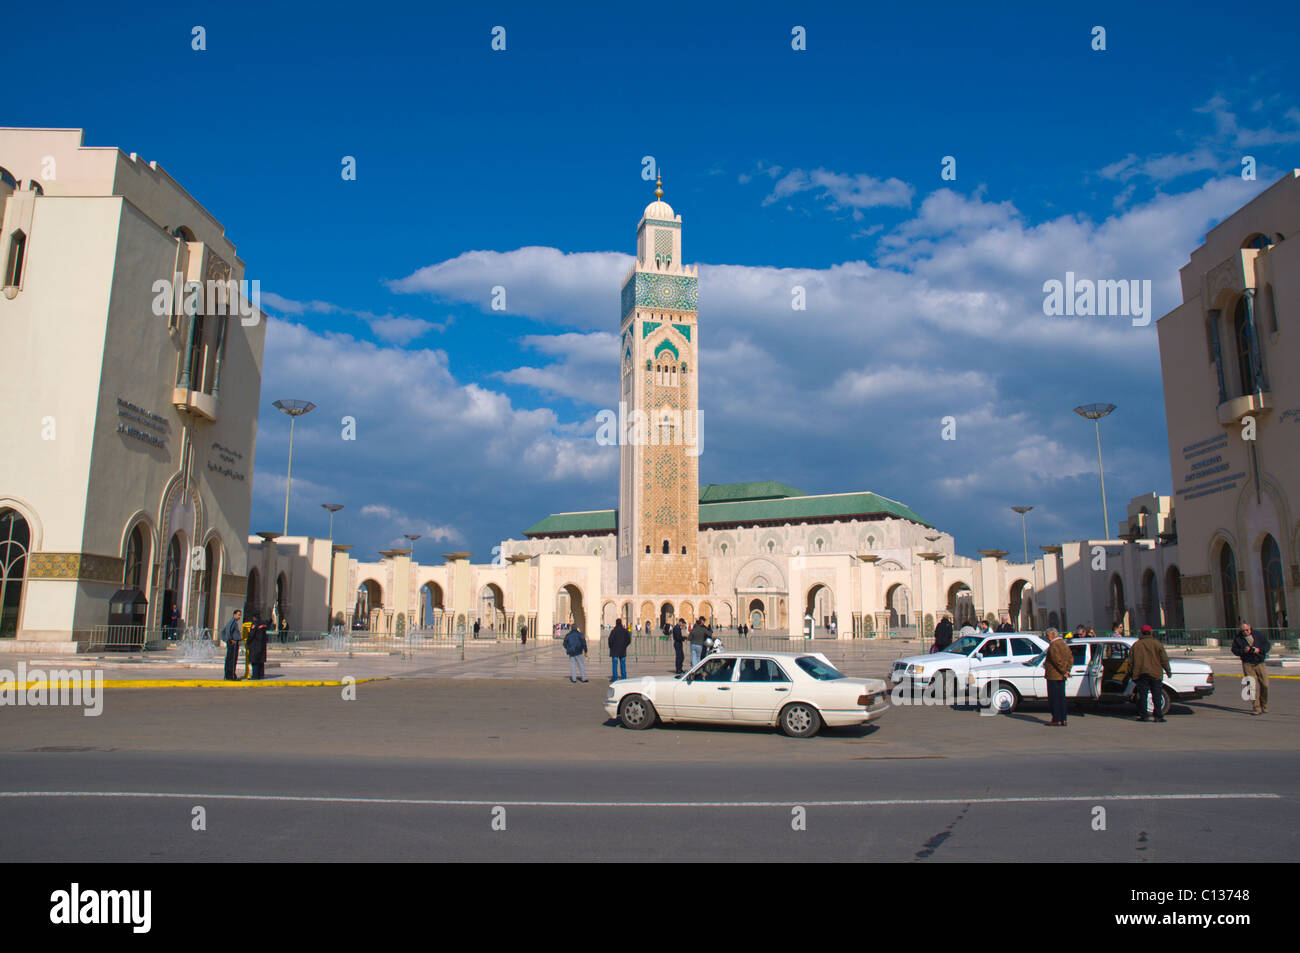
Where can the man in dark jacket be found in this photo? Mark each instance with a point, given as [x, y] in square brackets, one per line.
[257, 645]
[1252, 649]
[1056, 668]
[619, 639]
[942, 634]
[575, 646]
[699, 635]
[1148, 665]
[679, 655]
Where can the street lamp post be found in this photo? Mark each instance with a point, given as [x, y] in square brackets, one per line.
[294, 409]
[1095, 412]
[329, 598]
[333, 508]
[1024, 536]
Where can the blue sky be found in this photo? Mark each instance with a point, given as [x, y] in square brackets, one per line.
[819, 168]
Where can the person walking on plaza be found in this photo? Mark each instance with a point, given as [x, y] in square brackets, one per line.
[619, 639]
[1252, 649]
[523, 633]
[257, 646]
[575, 646]
[942, 635]
[1149, 664]
[679, 655]
[476, 628]
[699, 633]
[1057, 667]
[232, 633]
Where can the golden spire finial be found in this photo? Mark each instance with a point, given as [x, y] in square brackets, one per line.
[659, 186]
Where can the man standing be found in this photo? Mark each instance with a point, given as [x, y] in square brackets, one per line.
[523, 633]
[1057, 667]
[699, 633]
[619, 639]
[575, 646]
[257, 646]
[1148, 666]
[476, 628]
[1253, 651]
[231, 633]
[679, 654]
[942, 635]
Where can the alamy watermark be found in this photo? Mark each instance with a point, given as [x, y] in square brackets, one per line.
[1086, 297]
[213, 297]
[668, 427]
[36, 688]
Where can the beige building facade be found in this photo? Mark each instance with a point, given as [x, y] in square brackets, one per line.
[131, 406]
[1232, 402]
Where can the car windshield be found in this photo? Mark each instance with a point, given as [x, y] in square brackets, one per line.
[965, 645]
[1037, 659]
[817, 668]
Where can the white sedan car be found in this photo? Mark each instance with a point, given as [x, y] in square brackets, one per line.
[947, 669]
[1099, 673]
[799, 691]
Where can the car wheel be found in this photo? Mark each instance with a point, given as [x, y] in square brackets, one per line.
[800, 720]
[636, 712]
[1166, 701]
[1004, 699]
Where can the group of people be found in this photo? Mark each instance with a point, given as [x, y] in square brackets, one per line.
[254, 632]
[700, 637]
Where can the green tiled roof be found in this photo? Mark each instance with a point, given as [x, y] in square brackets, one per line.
[738, 492]
[737, 507]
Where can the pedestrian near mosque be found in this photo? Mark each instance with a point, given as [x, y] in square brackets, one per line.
[575, 646]
[942, 635]
[679, 638]
[619, 639]
[232, 633]
[1149, 666]
[1057, 667]
[1252, 649]
[699, 634]
[257, 646]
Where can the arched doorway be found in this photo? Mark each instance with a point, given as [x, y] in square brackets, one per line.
[608, 615]
[1115, 601]
[820, 604]
[1270, 558]
[1020, 605]
[370, 601]
[492, 608]
[899, 603]
[207, 614]
[1228, 587]
[432, 610]
[1173, 598]
[961, 603]
[252, 604]
[569, 610]
[667, 615]
[757, 614]
[706, 610]
[173, 579]
[1150, 600]
[15, 537]
[281, 612]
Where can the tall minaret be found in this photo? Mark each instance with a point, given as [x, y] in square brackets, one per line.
[659, 475]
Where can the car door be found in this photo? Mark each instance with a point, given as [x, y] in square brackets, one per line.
[707, 694]
[760, 689]
[993, 650]
[1079, 684]
[1096, 670]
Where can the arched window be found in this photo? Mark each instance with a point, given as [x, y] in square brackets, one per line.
[133, 574]
[172, 576]
[1228, 586]
[771, 546]
[14, 540]
[14, 264]
[1274, 588]
[683, 550]
[1241, 331]
[821, 543]
[665, 547]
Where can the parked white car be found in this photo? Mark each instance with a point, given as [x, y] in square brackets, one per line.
[798, 691]
[1096, 675]
[951, 666]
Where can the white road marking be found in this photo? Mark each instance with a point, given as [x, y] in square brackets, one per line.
[443, 802]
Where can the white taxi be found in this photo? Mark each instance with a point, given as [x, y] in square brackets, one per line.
[947, 669]
[1098, 673]
[798, 691]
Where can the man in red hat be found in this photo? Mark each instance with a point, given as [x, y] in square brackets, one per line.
[1149, 666]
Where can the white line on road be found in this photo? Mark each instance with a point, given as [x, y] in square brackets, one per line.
[430, 802]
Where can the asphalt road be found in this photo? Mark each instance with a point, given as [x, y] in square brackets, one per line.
[433, 769]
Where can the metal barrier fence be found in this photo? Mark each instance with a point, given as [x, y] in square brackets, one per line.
[116, 638]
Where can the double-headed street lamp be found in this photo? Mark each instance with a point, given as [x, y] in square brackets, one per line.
[294, 409]
[1022, 510]
[1095, 412]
